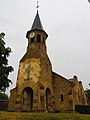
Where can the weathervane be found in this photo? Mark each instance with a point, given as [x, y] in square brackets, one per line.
[37, 5]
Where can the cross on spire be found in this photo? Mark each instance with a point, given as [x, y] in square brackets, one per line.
[37, 5]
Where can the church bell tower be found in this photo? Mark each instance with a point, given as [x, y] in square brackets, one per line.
[37, 36]
[33, 91]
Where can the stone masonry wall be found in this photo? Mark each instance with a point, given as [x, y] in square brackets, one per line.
[62, 87]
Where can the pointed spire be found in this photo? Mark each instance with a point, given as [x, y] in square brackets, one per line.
[37, 23]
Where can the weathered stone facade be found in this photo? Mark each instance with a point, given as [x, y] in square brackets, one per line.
[67, 93]
[37, 87]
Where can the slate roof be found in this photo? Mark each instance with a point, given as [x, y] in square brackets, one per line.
[37, 23]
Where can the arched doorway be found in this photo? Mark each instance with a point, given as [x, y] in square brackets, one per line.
[48, 99]
[27, 99]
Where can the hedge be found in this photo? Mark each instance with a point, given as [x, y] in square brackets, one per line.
[82, 109]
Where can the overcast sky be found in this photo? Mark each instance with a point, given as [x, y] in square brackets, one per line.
[67, 23]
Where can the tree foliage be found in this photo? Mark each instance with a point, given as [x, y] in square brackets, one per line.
[5, 69]
[3, 96]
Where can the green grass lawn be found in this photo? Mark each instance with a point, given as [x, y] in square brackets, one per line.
[42, 116]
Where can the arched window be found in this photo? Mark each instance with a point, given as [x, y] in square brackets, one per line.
[32, 40]
[62, 99]
[43, 40]
[48, 99]
[38, 38]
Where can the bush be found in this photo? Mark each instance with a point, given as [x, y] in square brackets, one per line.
[3, 96]
[83, 109]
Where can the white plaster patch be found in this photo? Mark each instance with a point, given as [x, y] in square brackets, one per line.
[30, 69]
[35, 70]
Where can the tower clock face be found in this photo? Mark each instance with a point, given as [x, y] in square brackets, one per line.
[32, 34]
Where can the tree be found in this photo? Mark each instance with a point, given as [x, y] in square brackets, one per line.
[87, 91]
[5, 69]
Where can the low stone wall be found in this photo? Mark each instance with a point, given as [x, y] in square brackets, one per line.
[3, 105]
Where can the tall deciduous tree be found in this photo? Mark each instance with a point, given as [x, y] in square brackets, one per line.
[5, 69]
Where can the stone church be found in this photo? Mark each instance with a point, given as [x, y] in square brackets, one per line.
[38, 88]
